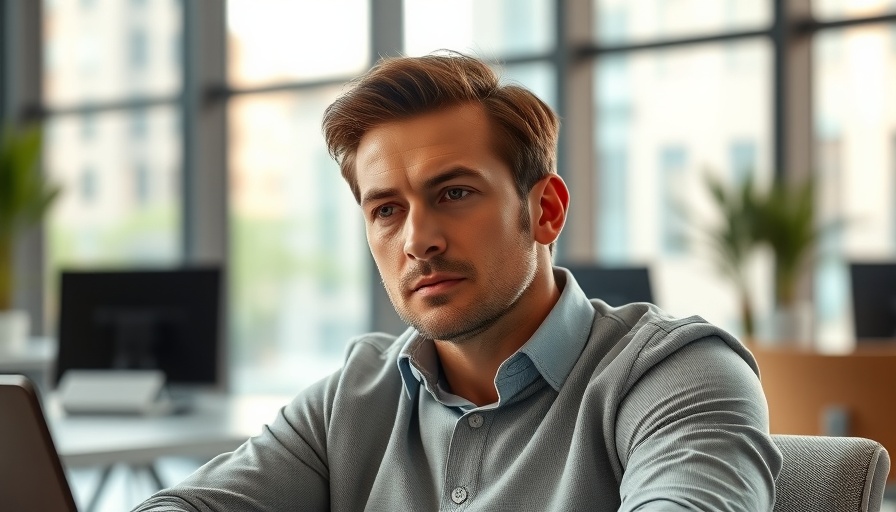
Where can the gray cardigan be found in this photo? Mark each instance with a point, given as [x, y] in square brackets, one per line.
[657, 414]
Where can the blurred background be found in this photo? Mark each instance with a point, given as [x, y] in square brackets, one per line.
[185, 132]
[188, 132]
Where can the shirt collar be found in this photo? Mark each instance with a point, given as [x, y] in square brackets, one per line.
[554, 348]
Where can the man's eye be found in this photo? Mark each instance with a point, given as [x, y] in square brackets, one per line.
[454, 194]
[385, 211]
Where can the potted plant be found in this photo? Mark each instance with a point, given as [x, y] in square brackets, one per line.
[733, 240]
[25, 195]
[787, 225]
[781, 218]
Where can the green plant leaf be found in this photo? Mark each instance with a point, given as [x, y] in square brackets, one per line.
[25, 194]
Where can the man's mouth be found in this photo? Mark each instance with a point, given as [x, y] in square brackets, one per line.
[436, 283]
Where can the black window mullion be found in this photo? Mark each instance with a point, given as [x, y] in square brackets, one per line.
[188, 112]
[386, 39]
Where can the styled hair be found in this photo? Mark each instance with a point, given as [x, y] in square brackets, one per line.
[524, 127]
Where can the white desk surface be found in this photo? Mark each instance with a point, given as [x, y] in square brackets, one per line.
[35, 355]
[216, 424]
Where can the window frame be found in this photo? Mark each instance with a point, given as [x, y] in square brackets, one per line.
[203, 100]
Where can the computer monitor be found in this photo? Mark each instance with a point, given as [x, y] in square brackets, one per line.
[614, 285]
[143, 319]
[874, 300]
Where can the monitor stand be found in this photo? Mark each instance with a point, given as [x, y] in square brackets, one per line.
[114, 392]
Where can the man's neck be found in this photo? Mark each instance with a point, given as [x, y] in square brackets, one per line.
[470, 367]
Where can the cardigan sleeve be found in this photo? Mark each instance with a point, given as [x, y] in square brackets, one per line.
[692, 434]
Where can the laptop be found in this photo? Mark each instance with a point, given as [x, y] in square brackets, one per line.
[31, 474]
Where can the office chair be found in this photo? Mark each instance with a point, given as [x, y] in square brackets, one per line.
[615, 285]
[830, 474]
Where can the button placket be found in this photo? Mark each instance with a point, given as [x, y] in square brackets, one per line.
[465, 455]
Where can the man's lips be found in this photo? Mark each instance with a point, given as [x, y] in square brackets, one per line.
[436, 283]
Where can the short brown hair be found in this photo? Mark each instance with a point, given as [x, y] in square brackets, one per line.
[401, 87]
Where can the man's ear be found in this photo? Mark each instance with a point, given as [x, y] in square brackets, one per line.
[548, 203]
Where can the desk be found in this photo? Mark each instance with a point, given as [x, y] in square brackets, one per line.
[33, 359]
[216, 424]
[802, 386]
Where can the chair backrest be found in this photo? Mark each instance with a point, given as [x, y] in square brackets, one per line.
[830, 474]
[615, 285]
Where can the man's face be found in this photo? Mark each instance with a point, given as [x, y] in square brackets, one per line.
[444, 222]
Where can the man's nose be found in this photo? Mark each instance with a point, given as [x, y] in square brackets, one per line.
[424, 238]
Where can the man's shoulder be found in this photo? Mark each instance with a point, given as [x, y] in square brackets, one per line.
[369, 365]
[372, 350]
[640, 335]
[371, 356]
[375, 342]
[641, 317]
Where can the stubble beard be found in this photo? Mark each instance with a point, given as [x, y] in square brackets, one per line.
[460, 325]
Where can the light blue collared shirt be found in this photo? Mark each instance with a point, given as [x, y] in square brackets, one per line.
[551, 352]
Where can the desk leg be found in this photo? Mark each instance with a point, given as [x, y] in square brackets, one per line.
[154, 476]
[100, 487]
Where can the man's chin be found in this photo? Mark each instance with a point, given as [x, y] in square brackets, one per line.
[456, 327]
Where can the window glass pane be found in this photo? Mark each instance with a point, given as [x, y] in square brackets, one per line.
[538, 78]
[664, 119]
[619, 21]
[120, 175]
[300, 278]
[283, 40]
[839, 9]
[109, 50]
[855, 162]
[486, 28]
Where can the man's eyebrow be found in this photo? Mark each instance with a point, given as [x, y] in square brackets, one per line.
[377, 194]
[458, 172]
[383, 193]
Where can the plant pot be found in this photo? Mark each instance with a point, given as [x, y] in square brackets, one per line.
[791, 325]
[14, 329]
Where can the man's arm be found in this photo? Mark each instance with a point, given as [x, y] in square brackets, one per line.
[283, 468]
[693, 435]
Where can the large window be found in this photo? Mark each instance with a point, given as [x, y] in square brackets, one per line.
[496, 30]
[299, 270]
[487, 28]
[280, 41]
[108, 50]
[299, 261]
[855, 128]
[117, 159]
[665, 118]
[619, 21]
[671, 90]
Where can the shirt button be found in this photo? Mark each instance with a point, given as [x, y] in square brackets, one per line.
[459, 495]
[475, 420]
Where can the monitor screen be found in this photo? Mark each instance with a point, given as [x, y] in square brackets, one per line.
[142, 319]
[616, 286]
[874, 300]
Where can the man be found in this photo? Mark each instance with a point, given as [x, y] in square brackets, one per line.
[511, 390]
